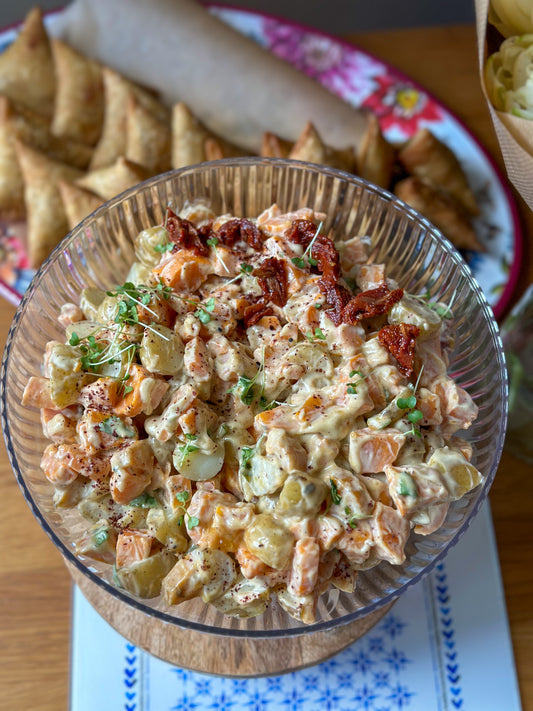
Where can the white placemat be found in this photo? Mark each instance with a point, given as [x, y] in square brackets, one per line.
[444, 646]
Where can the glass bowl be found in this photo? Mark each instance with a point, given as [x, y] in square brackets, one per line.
[99, 252]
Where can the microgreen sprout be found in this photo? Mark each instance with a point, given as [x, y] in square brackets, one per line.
[213, 242]
[190, 521]
[204, 311]
[301, 261]
[351, 387]
[406, 403]
[188, 447]
[247, 388]
[245, 269]
[247, 385]
[441, 309]
[318, 333]
[91, 352]
[133, 296]
[352, 522]
[162, 248]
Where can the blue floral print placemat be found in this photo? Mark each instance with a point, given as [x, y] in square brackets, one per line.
[444, 646]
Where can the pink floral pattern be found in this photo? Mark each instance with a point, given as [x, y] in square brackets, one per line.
[338, 67]
[401, 107]
[400, 104]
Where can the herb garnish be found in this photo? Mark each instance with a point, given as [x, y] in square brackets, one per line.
[246, 455]
[190, 521]
[318, 333]
[162, 248]
[100, 536]
[245, 269]
[188, 448]
[247, 386]
[406, 485]
[301, 261]
[116, 427]
[204, 311]
[351, 387]
[335, 497]
[145, 501]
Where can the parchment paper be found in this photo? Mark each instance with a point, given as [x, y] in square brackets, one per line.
[515, 135]
[237, 88]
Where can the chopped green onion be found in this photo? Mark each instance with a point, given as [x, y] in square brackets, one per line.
[144, 501]
[334, 492]
[406, 485]
[100, 536]
[246, 454]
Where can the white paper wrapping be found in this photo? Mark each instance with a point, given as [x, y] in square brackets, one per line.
[237, 88]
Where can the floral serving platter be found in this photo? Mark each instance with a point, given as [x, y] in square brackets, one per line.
[402, 108]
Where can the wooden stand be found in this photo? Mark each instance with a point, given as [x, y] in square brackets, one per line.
[215, 654]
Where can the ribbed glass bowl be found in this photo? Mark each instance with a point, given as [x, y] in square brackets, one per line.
[99, 252]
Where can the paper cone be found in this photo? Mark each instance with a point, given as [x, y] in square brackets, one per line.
[515, 135]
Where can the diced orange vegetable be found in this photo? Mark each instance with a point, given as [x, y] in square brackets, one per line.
[102, 394]
[132, 546]
[132, 471]
[371, 451]
[251, 565]
[390, 532]
[37, 393]
[55, 468]
[131, 403]
[184, 270]
[304, 571]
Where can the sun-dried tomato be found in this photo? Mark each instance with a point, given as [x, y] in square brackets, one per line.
[400, 340]
[272, 278]
[337, 296]
[327, 257]
[301, 232]
[206, 231]
[368, 304]
[185, 235]
[240, 230]
[254, 312]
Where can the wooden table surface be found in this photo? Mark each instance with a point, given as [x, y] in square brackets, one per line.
[35, 589]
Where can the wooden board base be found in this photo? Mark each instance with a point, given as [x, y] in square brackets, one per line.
[215, 654]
